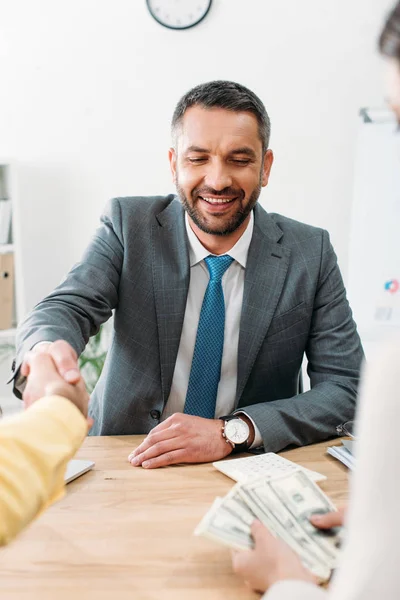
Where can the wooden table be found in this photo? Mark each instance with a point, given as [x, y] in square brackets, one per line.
[123, 532]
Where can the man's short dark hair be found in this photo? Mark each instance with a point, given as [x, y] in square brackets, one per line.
[389, 41]
[228, 95]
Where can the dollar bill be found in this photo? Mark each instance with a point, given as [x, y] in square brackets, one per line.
[234, 503]
[220, 525]
[302, 498]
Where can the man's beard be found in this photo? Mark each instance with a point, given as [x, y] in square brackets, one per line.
[228, 225]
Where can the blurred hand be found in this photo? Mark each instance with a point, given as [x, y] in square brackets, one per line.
[329, 520]
[270, 561]
[43, 379]
[64, 357]
[181, 439]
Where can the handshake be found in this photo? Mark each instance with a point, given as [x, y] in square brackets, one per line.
[51, 369]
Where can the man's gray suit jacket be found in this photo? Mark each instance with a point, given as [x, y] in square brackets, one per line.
[294, 302]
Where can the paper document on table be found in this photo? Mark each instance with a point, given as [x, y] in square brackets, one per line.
[343, 454]
[284, 504]
[268, 464]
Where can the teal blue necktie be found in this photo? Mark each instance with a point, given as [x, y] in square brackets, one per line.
[205, 372]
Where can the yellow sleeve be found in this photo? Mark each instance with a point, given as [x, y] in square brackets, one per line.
[35, 447]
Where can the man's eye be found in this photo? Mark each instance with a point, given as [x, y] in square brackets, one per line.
[196, 160]
[241, 161]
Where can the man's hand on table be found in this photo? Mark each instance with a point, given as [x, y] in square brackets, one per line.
[181, 439]
[63, 356]
[44, 379]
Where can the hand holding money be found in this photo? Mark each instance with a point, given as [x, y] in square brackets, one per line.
[284, 505]
[271, 561]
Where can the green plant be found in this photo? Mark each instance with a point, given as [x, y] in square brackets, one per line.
[92, 359]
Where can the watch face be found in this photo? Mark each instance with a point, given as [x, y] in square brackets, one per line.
[179, 14]
[237, 431]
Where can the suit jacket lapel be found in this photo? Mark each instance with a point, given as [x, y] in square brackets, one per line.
[171, 273]
[266, 268]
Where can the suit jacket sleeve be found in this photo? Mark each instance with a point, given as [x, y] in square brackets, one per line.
[34, 450]
[75, 310]
[334, 356]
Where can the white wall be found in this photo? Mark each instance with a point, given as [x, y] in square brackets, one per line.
[87, 89]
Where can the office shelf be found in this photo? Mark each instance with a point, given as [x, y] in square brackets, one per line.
[10, 267]
[6, 248]
[8, 333]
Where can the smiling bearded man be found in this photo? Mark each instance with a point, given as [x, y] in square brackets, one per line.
[216, 303]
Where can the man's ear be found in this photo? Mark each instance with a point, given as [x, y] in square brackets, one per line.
[172, 163]
[267, 165]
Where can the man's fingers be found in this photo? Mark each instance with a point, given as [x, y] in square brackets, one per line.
[157, 449]
[41, 363]
[25, 369]
[40, 348]
[328, 520]
[64, 356]
[170, 458]
[71, 376]
[154, 437]
[66, 360]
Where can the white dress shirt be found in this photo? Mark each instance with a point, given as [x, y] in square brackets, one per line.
[232, 285]
[369, 566]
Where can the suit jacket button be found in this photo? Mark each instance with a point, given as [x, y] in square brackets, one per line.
[155, 414]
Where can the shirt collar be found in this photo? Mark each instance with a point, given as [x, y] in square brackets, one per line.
[239, 252]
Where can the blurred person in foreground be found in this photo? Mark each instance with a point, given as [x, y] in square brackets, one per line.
[35, 446]
[369, 566]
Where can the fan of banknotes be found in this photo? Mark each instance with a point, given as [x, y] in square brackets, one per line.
[284, 504]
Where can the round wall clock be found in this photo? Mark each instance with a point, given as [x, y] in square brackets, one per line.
[178, 14]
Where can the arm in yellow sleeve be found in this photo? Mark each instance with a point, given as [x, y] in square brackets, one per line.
[35, 448]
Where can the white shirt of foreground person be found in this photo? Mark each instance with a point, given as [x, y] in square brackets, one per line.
[370, 563]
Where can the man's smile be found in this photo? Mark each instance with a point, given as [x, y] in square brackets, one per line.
[218, 200]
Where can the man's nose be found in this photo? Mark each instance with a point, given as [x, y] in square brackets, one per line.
[218, 176]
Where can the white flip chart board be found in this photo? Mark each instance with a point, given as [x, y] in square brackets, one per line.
[374, 252]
